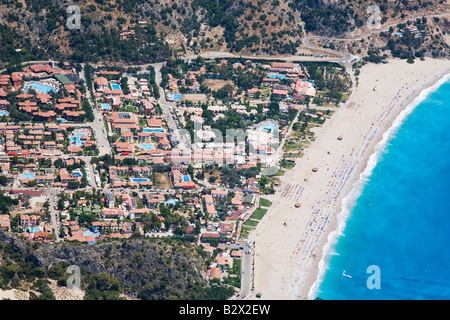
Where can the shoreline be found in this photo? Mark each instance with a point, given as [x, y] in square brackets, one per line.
[290, 265]
[339, 223]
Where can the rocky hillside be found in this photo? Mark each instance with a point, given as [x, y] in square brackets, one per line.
[139, 268]
[157, 28]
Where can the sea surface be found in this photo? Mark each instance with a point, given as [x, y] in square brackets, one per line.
[394, 242]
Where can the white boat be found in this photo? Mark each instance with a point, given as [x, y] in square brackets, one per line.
[346, 275]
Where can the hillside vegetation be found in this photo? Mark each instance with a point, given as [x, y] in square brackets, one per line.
[36, 29]
[145, 269]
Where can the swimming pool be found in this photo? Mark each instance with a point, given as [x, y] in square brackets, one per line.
[41, 88]
[89, 233]
[174, 96]
[270, 126]
[106, 106]
[77, 139]
[140, 179]
[33, 230]
[277, 76]
[78, 174]
[4, 113]
[154, 130]
[171, 201]
[115, 86]
[186, 178]
[28, 175]
[147, 146]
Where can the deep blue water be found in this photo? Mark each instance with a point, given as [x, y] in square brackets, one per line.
[401, 220]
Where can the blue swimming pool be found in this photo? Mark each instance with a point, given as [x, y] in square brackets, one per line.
[277, 76]
[106, 106]
[28, 175]
[270, 126]
[4, 113]
[41, 88]
[154, 130]
[177, 96]
[140, 179]
[33, 230]
[78, 174]
[147, 146]
[171, 201]
[186, 178]
[115, 86]
[76, 140]
[89, 233]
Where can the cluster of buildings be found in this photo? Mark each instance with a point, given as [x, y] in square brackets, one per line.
[143, 134]
[36, 83]
[285, 72]
[413, 30]
[27, 145]
[112, 95]
[32, 142]
[223, 262]
[66, 78]
[187, 87]
[140, 135]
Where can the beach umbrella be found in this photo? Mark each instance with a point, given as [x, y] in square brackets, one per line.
[315, 169]
[339, 138]
[298, 205]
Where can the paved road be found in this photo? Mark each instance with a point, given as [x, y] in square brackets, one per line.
[246, 269]
[168, 108]
[54, 215]
[97, 125]
[347, 58]
[344, 58]
[306, 41]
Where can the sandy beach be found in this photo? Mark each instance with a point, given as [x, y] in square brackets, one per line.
[289, 241]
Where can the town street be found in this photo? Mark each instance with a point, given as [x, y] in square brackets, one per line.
[168, 109]
[101, 136]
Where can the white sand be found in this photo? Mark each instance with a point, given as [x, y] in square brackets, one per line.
[287, 256]
[64, 293]
[14, 294]
[61, 293]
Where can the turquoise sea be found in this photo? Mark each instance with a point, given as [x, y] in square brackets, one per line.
[396, 240]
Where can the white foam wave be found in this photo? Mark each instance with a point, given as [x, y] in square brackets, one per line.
[349, 201]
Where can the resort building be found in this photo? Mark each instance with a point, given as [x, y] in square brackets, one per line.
[124, 121]
[305, 87]
[29, 221]
[180, 178]
[279, 94]
[109, 200]
[101, 83]
[219, 194]
[65, 177]
[5, 222]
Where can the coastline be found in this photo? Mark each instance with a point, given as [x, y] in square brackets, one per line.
[363, 174]
[290, 261]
